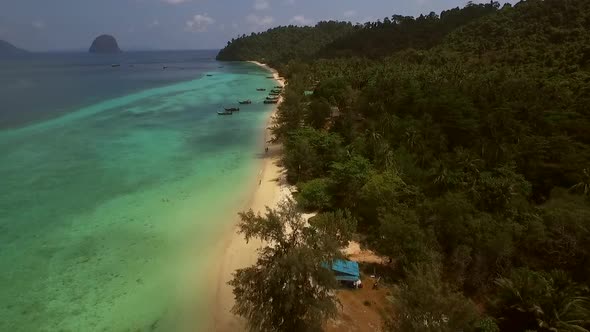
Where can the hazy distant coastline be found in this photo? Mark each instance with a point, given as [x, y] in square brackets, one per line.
[7, 48]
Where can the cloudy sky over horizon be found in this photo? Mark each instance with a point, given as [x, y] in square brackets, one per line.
[40, 25]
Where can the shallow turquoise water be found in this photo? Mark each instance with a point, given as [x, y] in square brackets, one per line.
[109, 209]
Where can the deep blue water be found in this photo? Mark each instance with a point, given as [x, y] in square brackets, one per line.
[38, 86]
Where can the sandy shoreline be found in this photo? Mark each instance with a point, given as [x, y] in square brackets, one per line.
[235, 252]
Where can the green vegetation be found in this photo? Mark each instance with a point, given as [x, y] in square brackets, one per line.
[282, 44]
[289, 289]
[461, 145]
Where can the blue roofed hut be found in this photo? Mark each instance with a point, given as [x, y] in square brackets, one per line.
[346, 272]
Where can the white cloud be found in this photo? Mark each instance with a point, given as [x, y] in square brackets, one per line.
[175, 2]
[38, 24]
[290, 2]
[259, 20]
[154, 23]
[300, 20]
[261, 4]
[199, 23]
[234, 25]
[350, 13]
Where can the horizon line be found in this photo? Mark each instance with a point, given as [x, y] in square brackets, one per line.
[80, 50]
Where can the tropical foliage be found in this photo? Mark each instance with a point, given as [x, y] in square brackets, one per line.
[463, 154]
[289, 288]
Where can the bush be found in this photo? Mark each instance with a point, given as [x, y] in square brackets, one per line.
[315, 195]
[426, 303]
[487, 325]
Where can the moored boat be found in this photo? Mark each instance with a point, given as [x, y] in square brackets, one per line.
[271, 101]
[272, 98]
[276, 91]
[260, 89]
[225, 113]
[232, 109]
[245, 102]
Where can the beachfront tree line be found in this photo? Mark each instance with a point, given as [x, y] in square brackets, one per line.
[464, 155]
[289, 288]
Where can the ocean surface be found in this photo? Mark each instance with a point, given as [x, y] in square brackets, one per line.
[117, 182]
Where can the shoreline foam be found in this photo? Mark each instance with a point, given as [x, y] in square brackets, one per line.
[270, 188]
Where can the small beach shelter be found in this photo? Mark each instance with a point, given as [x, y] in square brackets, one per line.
[346, 270]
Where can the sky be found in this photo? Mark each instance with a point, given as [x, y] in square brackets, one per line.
[50, 25]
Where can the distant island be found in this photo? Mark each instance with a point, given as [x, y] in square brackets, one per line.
[7, 48]
[104, 44]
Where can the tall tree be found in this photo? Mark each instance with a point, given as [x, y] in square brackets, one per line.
[457, 137]
[290, 287]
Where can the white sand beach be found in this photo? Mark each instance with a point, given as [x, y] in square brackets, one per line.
[236, 253]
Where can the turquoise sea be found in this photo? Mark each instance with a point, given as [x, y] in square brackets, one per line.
[116, 182]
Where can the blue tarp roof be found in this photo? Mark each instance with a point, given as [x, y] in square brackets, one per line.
[346, 278]
[348, 268]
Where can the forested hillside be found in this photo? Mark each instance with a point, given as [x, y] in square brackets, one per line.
[383, 37]
[463, 154]
[282, 44]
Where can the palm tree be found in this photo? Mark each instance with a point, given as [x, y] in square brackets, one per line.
[584, 185]
[551, 301]
[411, 138]
[379, 148]
[442, 176]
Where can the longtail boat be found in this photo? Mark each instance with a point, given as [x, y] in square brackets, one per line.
[271, 101]
[272, 98]
[260, 89]
[276, 91]
[245, 102]
[231, 109]
[225, 113]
